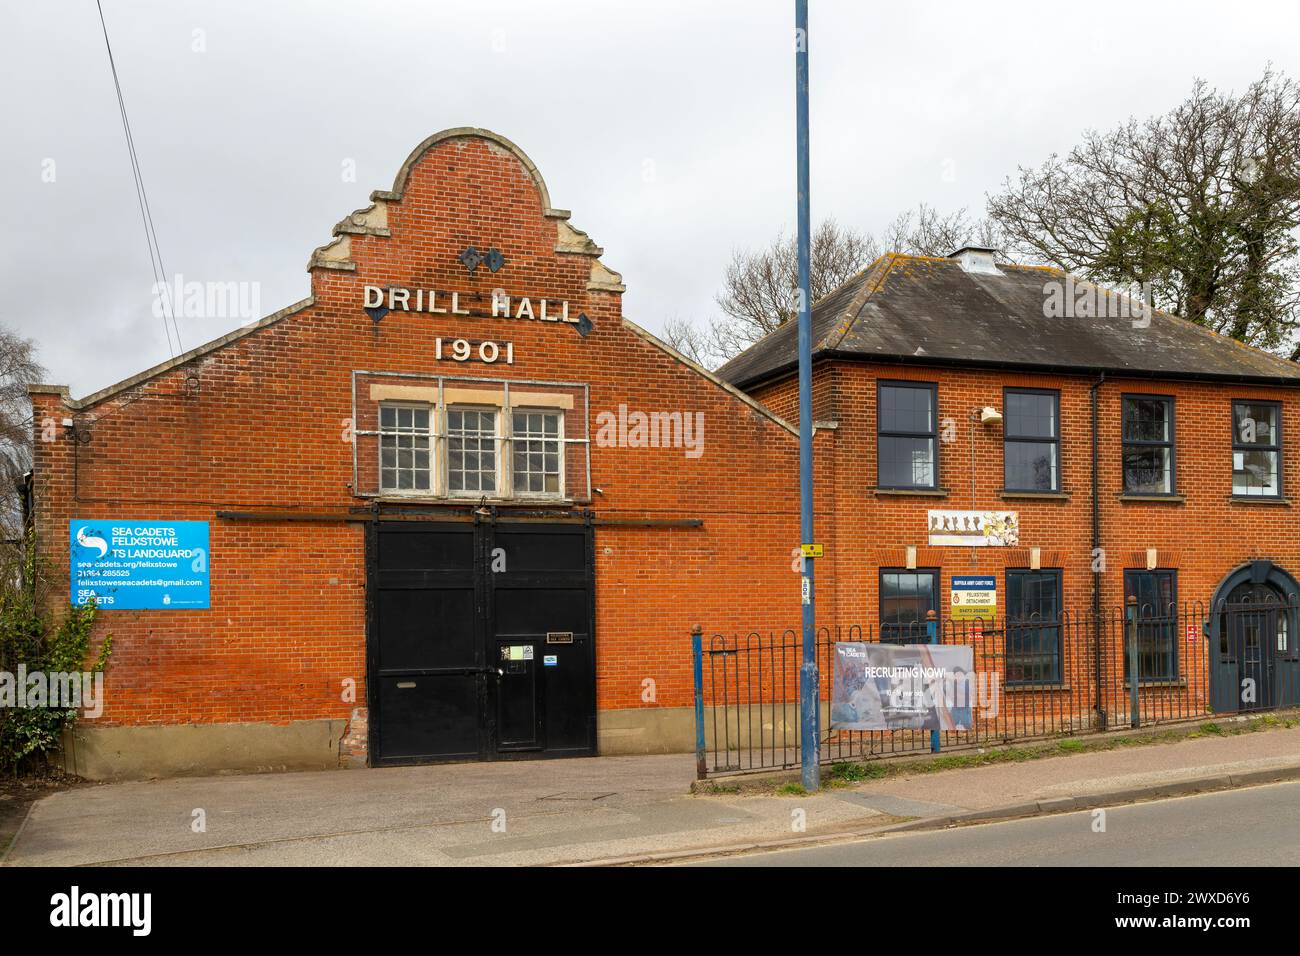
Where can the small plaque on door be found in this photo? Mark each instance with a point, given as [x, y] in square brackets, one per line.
[516, 652]
[559, 637]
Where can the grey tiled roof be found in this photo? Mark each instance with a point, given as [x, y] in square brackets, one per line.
[929, 310]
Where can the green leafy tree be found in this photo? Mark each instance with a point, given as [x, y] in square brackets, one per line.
[33, 636]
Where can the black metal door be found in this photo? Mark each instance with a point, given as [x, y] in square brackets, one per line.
[1253, 619]
[480, 641]
[428, 672]
[540, 608]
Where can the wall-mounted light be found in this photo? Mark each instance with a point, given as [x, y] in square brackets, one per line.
[990, 416]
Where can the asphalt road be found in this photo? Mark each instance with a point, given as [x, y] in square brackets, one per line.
[1259, 826]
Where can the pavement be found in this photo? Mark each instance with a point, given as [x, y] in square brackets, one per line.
[601, 809]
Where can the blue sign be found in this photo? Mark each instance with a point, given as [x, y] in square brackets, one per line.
[139, 565]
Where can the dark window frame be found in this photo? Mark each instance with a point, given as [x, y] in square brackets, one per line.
[1275, 447]
[1059, 625]
[1007, 436]
[1167, 618]
[1171, 444]
[933, 435]
[887, 630]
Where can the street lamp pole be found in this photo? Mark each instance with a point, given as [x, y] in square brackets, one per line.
[809, 681]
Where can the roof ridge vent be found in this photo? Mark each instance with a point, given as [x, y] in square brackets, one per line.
[977, 259]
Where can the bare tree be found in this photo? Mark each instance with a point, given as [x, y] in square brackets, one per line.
[759, 290]
[924, 231]
[689, 339]
[1203, 203]
[18, 368]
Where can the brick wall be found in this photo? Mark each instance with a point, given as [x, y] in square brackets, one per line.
[1205, 535]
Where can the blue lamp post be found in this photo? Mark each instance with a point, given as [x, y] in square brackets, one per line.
[809, 680]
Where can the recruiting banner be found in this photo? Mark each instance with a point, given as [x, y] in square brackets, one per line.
[139, 565]
[902, 687]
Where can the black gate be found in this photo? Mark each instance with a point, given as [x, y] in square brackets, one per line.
[480, 641]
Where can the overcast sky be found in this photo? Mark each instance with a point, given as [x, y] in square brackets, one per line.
[667, 127]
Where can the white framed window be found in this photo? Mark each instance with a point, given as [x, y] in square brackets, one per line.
[405, 452]
[472, 460]
[537, 459]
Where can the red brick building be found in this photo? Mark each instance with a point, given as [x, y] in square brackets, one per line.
[457, 447]
[1137, 455]
[457, 506]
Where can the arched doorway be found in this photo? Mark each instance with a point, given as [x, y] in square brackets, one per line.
[1255, 656]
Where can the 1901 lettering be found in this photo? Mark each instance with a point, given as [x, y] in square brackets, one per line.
[463, 350]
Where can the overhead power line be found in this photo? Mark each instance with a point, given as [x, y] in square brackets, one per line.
[161, 283]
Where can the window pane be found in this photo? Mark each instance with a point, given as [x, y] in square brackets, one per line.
[1157, 628]
[1146, 469]
[1146, 419]
[471, 451]
[1033, 595]
[905, 597]
[906, 462]
[1033, 631]
[906, 409]
[538, 452]
[1031, 415]
[404, 448]
[1031, 466]
[1255, 424]
[1255, 473]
